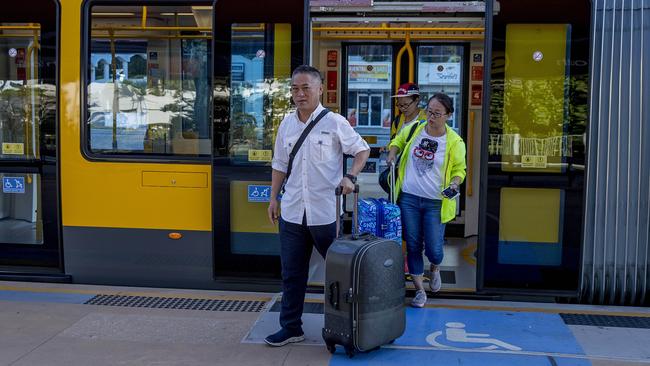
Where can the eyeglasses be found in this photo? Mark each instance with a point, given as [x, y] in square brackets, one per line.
[404, 106]
[423, 154]
[435, 114]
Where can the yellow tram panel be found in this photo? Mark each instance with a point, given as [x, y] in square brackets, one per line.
[112, 194]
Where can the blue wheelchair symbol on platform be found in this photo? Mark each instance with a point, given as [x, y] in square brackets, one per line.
[13, 185]
[259, 193]
[456, 334]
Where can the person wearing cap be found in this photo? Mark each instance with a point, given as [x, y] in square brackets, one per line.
[408, 99]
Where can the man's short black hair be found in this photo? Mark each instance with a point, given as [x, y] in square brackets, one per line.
[306, 69]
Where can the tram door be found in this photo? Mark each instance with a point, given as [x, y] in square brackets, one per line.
[255, 49]
[29, 240]
[535, 171]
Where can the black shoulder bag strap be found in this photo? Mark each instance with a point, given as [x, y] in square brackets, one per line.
[411, 132]
[299, 142]
[408, 139]
[395, 124]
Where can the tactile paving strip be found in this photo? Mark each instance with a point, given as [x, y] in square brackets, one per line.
[251, 306]
[606, 320]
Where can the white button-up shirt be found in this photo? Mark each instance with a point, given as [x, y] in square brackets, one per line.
[317, 167]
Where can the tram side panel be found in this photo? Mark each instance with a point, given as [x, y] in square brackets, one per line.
[123, 206]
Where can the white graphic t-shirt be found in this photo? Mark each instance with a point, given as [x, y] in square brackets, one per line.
[424, 176]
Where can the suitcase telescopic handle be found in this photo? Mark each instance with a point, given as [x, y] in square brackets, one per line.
[391, 183]
[334, 295]
[355, 213]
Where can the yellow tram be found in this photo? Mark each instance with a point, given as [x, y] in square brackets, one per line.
[137, 136]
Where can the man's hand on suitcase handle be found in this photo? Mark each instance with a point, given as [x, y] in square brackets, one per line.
[339, 190]
[348, 186]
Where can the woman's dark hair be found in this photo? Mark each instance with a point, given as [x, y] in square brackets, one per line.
[445, 100]
[306, 69]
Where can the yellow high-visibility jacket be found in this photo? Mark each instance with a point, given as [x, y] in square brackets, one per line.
[454, 165]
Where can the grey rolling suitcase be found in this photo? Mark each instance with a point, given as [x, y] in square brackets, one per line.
[364, 290]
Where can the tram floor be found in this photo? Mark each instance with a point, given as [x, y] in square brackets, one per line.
[20, 232]
[457, 270]
[64, 324]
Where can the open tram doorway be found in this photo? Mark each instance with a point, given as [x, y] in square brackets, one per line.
[29, 200]
[363, 67]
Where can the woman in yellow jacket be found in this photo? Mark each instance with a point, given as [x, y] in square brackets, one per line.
[433, 160]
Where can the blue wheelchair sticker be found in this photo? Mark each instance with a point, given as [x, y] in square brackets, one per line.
[258, 193]
[13, 184]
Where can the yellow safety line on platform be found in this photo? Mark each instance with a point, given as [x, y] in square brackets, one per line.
[135, 293]
[269, 298]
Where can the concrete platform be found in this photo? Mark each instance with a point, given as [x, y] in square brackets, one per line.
[50, 324]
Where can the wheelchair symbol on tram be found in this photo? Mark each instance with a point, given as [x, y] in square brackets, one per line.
[13, 185]
[457, 334]
[259, 193]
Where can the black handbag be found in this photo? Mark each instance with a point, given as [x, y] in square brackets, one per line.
[384, 177]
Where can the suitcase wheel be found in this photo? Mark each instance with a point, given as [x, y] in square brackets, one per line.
[331, 347]
[349, 351]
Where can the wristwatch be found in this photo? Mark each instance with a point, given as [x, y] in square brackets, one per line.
[352, 178]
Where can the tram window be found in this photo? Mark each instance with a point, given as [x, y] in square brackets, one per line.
[259, 89]
[27, 94]
[369, 79]
[148, 84]
[440, 69]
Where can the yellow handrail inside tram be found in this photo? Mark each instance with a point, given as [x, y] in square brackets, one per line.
[19, 27]
[144, 16]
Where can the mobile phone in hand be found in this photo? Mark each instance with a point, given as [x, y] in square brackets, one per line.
[450, 193]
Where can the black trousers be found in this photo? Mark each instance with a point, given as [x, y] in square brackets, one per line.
[297, 243]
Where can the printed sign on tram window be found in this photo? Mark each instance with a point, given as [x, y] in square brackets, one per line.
[260, 155]
[444, 73]
[477, 73]
[477, 95]
[13, 148]
[332, 58]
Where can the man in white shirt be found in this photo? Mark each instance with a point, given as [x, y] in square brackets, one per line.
[308, 203]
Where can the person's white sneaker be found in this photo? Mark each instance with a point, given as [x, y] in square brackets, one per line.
[420, 299]
[435, 283]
